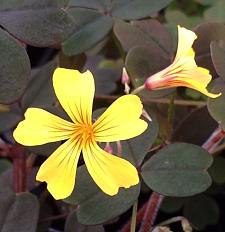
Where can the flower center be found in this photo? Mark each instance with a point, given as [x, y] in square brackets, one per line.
[86, 132]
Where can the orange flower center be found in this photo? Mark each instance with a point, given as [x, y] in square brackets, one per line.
[86, 132]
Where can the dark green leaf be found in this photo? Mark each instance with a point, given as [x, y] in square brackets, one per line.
[73, 225]
[100, 5]
[178, 170]
[6, 180]
[46, 210]
[192, 128]
[95, 207]
[172, 204]
[40, 91]
[35, 22]
[4, 165]
[105, 81]
[177, 17]
[216, 106]
[9, 119]
[136, 149]
[207, 32]
[71, 62]
[18, 213]
[201, 211]
[141, 63]
[106, 73]
[146, 33]
[216, 12]
[123, 9]
[217, 170]
[136, 9]
[92, 27]
[150, 51]
[14, 68]
[218, 57]
[6, 184]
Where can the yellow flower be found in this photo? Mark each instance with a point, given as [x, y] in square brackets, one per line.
[183, 71]
[120, 121]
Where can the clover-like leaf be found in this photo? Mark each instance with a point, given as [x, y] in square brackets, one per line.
[178, 170]
[201, 211]
[146, 33]
[218, 56]
[92, 26]
[38, 23]
[196, 120]
[140, 65]
[177, 17]
[216, 12]
[136, 9]
[40, 92]
[18, 213]
[216, 107]
[217, 170]
[172, 204]
[14, 68]
[73, 225]
[207, 32]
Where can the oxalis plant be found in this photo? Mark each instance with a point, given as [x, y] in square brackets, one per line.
[119, 124]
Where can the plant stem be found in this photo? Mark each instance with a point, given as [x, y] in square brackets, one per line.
[138, 89]
[212, 142]
[19, 168]
[134, 217]
[151, 212]
[170, 116]
[140, 215]
[157, 101]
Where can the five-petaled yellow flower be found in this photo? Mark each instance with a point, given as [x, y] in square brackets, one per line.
[75, 92]
[183, 71]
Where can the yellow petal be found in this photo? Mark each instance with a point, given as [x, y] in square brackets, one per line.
[197, 78]
[204, 71]
[75, 92]
[121, 120]
[186, 39]
[190, 83]
[40, 127]
[108, 171]
[59, 169]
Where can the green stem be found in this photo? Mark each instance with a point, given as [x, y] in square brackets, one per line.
[138, 89]
[134, 216]
[170, 115]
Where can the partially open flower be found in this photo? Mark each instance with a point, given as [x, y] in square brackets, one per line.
[184, 70]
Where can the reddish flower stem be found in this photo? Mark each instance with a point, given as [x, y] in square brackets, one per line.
[151, 212]
[17, 155]
[19, 168]
[212, 142]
